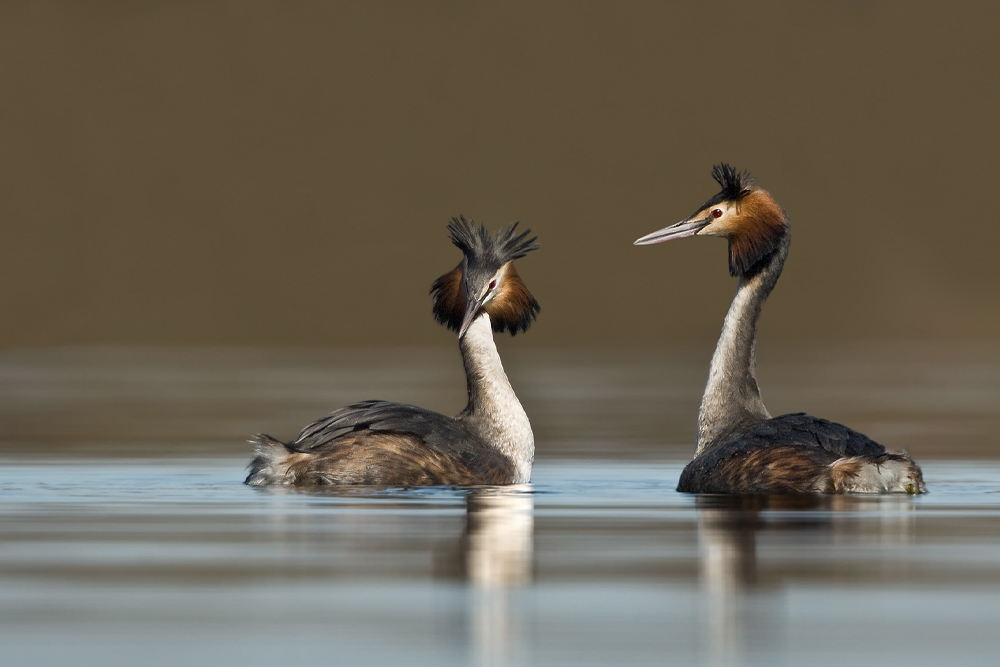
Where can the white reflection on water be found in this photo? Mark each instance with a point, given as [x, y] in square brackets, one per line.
[498, 536]
[728, 567]
[742, 606]
[498, 556]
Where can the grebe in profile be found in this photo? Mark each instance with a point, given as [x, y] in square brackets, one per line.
[740, 447]
[388, 444]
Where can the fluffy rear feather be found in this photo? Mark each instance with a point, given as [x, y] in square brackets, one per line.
[270, 464]
[892, 473]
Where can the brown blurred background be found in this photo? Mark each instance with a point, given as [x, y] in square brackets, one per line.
[257, 173]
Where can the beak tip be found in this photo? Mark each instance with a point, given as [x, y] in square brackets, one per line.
[470, 316]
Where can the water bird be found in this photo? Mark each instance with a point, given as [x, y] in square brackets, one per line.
[378, 443]
[740, 447]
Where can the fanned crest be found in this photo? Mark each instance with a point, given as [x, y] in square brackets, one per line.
[513, 308]
[490, 251]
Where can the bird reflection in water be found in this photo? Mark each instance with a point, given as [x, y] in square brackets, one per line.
[727, 549]
[498, 556]
[744, 607]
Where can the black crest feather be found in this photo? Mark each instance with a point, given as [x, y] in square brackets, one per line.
[481, 248]
[735, 185]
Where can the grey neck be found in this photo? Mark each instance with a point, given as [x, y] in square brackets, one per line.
[494, 412]
[732, 399]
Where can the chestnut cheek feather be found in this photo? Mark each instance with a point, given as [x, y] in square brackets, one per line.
[513, 308]
[449, 299]
[762, 225]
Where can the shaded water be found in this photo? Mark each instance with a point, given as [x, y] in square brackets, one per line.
[119, 546]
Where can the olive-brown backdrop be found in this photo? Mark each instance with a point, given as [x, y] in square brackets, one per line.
[254, 172]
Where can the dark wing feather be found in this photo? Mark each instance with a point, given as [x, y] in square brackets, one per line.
[780, 455]
[383, 416]
[398, 440]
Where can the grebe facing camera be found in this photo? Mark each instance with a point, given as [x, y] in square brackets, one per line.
[377, 443]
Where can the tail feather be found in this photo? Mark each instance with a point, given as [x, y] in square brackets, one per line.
[889, 473]
[270, 464]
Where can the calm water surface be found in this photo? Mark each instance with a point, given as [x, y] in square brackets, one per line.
[119, 546]
[175, 562]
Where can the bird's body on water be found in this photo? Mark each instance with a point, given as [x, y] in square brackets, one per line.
[378, 443]
[740, 447]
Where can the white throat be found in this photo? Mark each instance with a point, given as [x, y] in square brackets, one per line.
[494, 411]
[732, 399]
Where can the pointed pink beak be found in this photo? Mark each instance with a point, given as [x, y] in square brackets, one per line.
[681, 230]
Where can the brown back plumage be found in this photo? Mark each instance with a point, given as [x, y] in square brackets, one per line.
[380, 443]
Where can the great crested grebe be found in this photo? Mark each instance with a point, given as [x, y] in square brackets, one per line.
[388, 444]
[740, 447]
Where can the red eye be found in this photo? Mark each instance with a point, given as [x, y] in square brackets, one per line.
[493, 284]
[716, 212]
